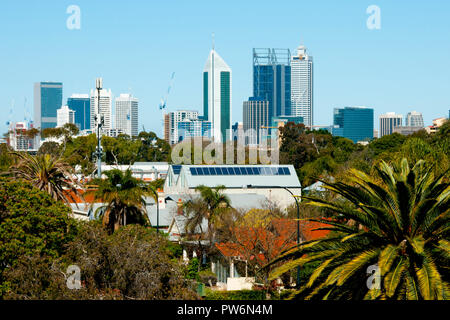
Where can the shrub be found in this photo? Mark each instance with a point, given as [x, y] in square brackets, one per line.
[206, 277]
[235, 295]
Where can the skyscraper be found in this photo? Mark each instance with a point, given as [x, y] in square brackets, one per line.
[255, 116]
[388, 122]
[217, 96]
[47, 99]
[302, 99]
[414, 119]
[272, 79]
[81, 104]
[171, 121]
[105, 107]
[127, 114]
[64, 115]
[354, 123]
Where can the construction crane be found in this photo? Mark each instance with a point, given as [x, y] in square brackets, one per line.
[163, 104]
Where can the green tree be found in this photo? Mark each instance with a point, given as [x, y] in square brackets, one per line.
[31, 223]
[79, 153]
[152, 148]
[135, 261]
[208, 207]
[47, 173]
[123, 199]
[120, 150]
[6, 160]
[50, 147]
[398, 222]
[387, 143]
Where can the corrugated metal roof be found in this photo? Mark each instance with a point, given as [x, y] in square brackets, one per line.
[265, 177]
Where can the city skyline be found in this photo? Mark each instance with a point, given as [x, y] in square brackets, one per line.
[353, 65]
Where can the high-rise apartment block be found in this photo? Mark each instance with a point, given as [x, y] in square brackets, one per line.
[217, 96]
[302, 99]
[388, 122]
[127, 114]
[81, 104]
[354, 123]
[47, 99]
[64, 115]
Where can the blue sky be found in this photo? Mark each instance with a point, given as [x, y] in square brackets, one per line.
[135, 46]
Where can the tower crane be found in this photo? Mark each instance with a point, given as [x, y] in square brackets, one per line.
[163, 104]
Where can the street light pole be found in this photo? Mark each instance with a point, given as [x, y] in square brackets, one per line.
[298, 218]
[298, 231]
[157, 202]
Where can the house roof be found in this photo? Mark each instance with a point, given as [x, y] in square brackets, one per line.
[238, 176]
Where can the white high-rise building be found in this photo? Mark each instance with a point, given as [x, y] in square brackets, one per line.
[105, 107]
[18, 138]
[302, 87]
[217, 96]
[64, 115]
[127, 114]
[414, 119]
[171, 123]
[388, 122]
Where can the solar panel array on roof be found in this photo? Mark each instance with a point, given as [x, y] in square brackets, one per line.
[176, 169]
[240, 171]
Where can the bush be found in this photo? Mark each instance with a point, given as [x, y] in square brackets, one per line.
[134, 260]
[206, 277]
[192, 269]
[31, 222]
[235, 295]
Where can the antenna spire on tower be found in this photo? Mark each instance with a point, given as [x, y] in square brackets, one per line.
[213, 44]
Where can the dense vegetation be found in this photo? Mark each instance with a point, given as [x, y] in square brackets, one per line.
[386, 204]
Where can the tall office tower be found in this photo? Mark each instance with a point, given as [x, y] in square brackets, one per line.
[217, 96]
[388, 122]
[64, 115]
[171, 121]
[127, 114]
[105, 107]
[255, 116]
[81, 104]
[47, 99]
[414, 119]
[272, 79]
[302, 98]
[354, 123]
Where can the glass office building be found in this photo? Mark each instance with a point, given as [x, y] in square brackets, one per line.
[217, 96]
[272, 79]
[47, 99]
[81, 104]
[354, 123]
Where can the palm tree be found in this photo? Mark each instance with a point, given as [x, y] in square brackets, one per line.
[123, 200]
[213, 199]
[400, 228]
[210, 203]
[47, 173]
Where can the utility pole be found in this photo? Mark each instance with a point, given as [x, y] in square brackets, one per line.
[99, 121]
